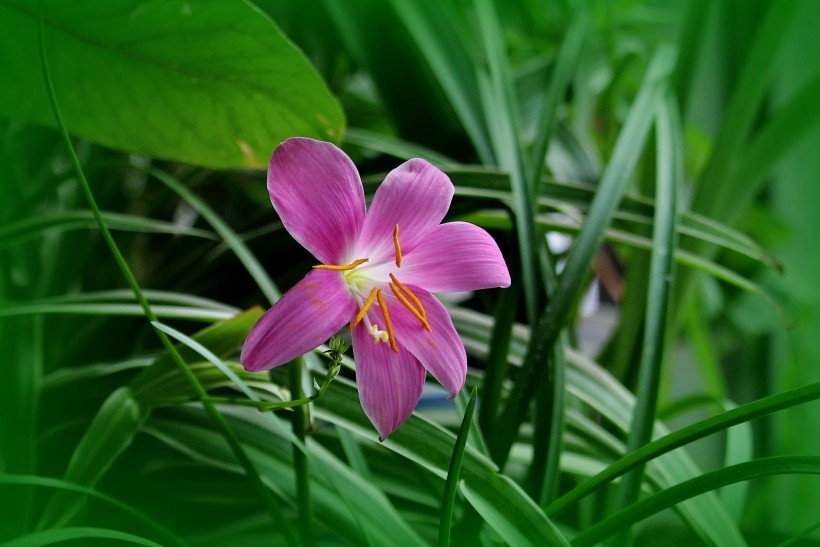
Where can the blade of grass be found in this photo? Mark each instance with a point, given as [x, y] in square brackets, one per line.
[687, 435]
[787, 127]
[669, 176]
[32, 228]
[502, 111]
[268, 500]
[764, 467]
[451, 484]
[59, 535]
[47, 482]
[300, 421]
[396, 147]
[613, 183]
[714, 195]
[564, 66]
[130, 310]
[449, 60]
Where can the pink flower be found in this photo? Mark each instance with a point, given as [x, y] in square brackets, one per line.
[377, 272]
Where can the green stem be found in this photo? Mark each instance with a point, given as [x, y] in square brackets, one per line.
[219, 421]
[300, 420]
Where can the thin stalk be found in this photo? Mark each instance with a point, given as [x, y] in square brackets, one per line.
[451, 485]
[660, 280]
[300, 420]
[216, 417]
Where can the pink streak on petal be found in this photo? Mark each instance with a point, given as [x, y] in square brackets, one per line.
[317, 193]
[456, 256]
[390, 383]
[305, 317]
[416, 196]
[440, 350]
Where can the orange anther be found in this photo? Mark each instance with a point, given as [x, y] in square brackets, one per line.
[346, 267]
[397, 246]
[365, 307]
[387, 322]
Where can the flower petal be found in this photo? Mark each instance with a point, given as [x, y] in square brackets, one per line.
[415, 195]
[456, 256]
[318, 194]
[307, 315]
[390, 383]
[440, 350]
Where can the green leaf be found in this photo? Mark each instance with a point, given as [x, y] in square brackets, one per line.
[209, 82]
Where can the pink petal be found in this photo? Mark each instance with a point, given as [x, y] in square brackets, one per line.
[456, 256]
[306, 316]
[390, 383]
[439, 350]
[414, 195]
[317, 193]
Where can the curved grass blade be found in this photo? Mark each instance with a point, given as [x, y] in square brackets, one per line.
[396, 147]
[127, 310]
[764, 467]
[59, 535]
[47, 482]
[451, 484]
[33, 228]
[686, 435]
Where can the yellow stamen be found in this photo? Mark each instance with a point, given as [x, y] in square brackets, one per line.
[397, 246]
[410, 307]
[410, 295]
[388, 324]
[346, 267]
[365, 307]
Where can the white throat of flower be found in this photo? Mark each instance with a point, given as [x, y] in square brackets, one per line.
[358, 282]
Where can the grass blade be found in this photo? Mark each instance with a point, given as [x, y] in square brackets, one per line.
[451, 484]
[714, 195]
[669, 152]
[59, 535]
[764, 467]
[687, 435]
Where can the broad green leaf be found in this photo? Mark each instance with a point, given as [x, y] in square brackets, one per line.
[209, 82]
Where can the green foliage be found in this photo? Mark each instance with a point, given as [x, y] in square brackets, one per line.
[673, 143]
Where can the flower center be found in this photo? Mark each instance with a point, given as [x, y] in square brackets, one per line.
[358, 281]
